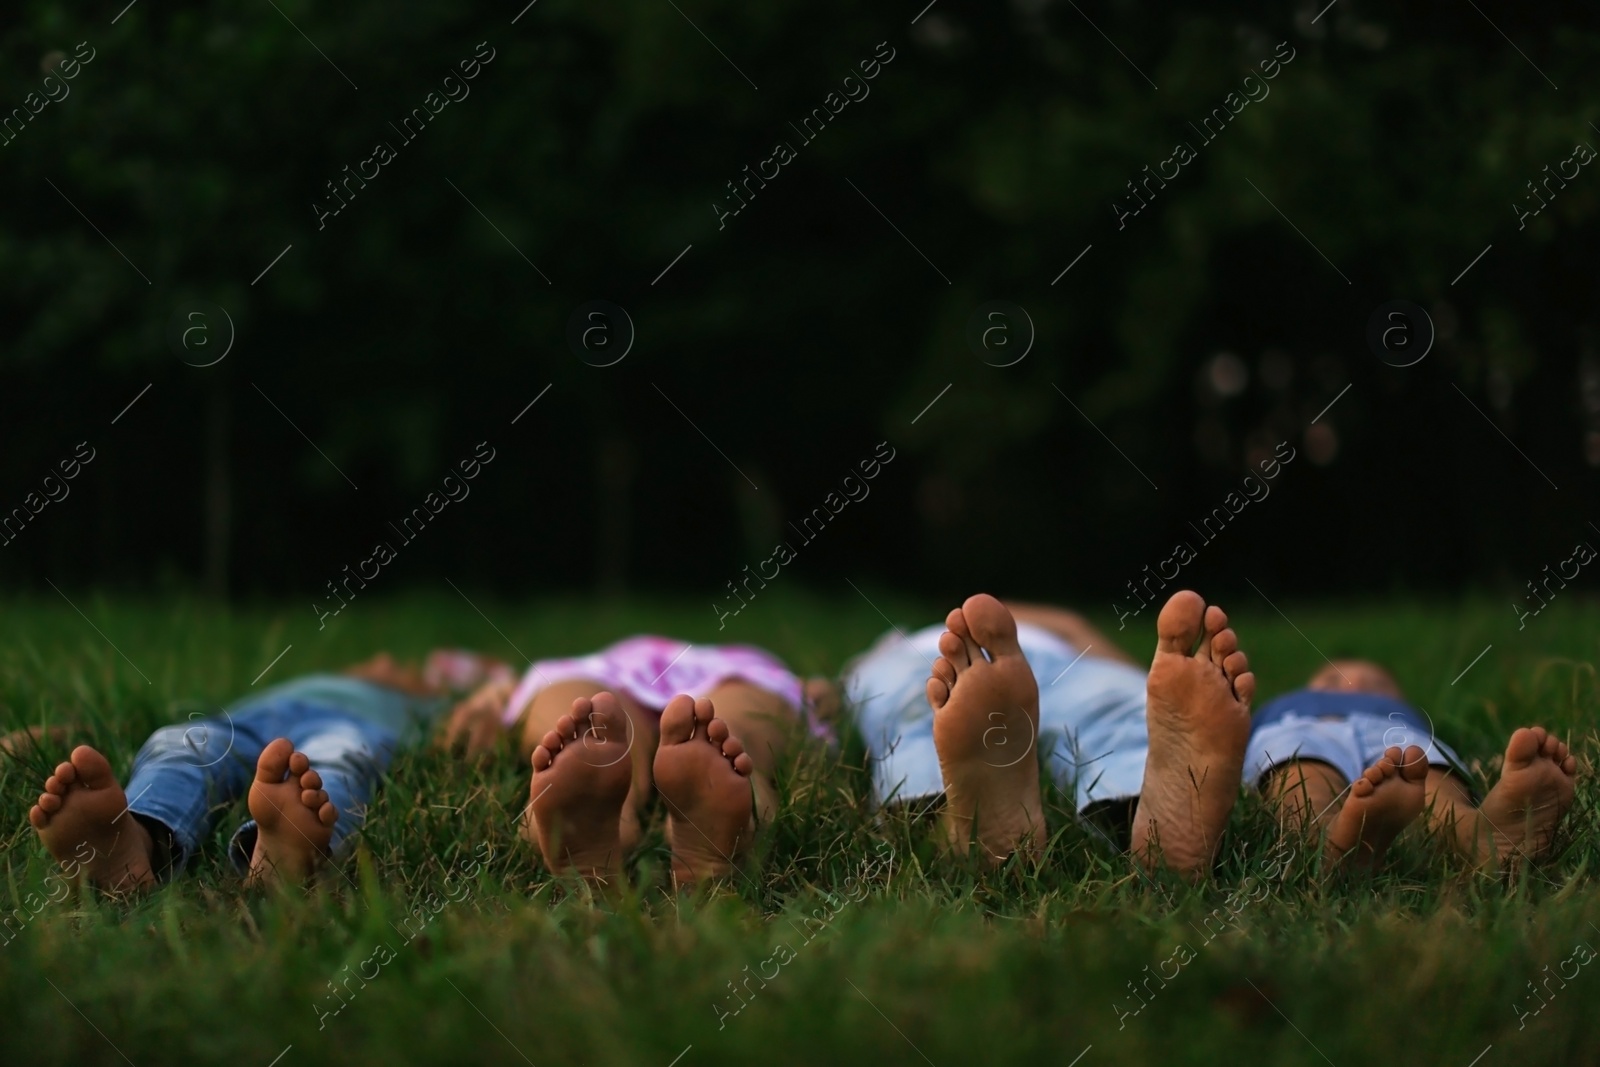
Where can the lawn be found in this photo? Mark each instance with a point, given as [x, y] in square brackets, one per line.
[883, 951]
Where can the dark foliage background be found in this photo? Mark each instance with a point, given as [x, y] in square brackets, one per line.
[807, 330]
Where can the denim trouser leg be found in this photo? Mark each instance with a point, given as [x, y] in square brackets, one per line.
[186, 770]
[349, 753]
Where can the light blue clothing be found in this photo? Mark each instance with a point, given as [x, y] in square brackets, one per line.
[1347, 731]
[349, 730]
[1092, 729]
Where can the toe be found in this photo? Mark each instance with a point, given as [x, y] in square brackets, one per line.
[677, 720]
[1414, 764]
[992, 625]
[299, 764]
[542, 758]
[717, 731]
[49, 803]
[551, 743]
[1362, 786]
[567, 725]
[1178, 625]
[66, 774]
[956, 623]
[1569, 766]
[744, 764]
[954, 649]
[1550, 746]
[1223, 645]
[704, 711]
[938, 693]
[310, 779]
[327, 815]
[1244, 687]
[944, 670]
[55, 783]
[94, 770]
[38, 818]
[733, 748]
[313, 798]
[1235, 664]
[273, 766]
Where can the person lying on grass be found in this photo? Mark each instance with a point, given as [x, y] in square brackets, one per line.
[1011, 683]
[703, 725]
[1346, 757]
[347, 725]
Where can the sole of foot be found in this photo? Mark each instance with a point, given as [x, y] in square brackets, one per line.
[703, 774]
[985, 727]
[1517, 820]
[582, 771]
[1198, 712]
[1382, 801]
[82, 817]
[294, 817]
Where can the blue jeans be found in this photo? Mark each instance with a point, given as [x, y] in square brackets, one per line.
[186, 773]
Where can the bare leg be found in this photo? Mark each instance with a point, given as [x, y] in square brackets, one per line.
[1198, 710]
[1072, 628]
[1517, 820]
[1360, 825]
[704, 776]
[985, 708]
[591, 753]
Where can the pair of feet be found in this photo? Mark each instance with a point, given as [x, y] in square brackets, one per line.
[584, 816]
[84, 804]
[986, 710]
[1516, 821]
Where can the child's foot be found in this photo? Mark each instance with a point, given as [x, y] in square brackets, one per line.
[1198, 711]
[581, 774]
[985, 725]
[83, 809]
[703, 773]
[1381, 802]
[1517, 820]
[294, 817]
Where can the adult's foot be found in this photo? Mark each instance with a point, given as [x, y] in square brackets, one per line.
[703, 774]
[581, 774]
[985, 728]
[83, 809]
[1198, 711]
[1380, 803]
[1517, 820]
[294, 817]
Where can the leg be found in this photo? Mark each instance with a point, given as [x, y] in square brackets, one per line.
[985, 729]
[1517, 820]
[1381, 802]
[291, 815]
[592, 753]
[1198, 710]
[310, 791]
[178, 775]
[1071, 627]
[714, 770]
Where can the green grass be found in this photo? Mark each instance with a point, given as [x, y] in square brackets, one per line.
[922, 960]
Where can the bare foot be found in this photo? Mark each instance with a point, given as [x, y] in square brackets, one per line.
[985, 725]
[1381, 802]
[581, 774]
[1198, 711]
[294, 817]
[1517, 820]
[83, 805]
[703, 773]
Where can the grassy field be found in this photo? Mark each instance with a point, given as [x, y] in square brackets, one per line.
[885, 951]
